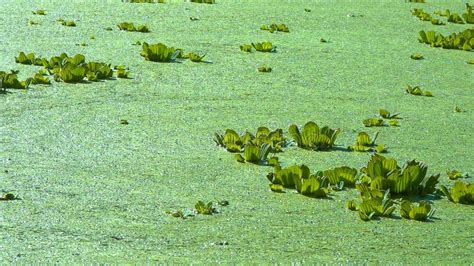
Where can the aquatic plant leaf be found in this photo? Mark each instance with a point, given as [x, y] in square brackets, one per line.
[351, 205]
[266, 47]
[374, 122]
[159, 52]
[9, 196]
[264, 69]
[196, 58]
[40, 79]
[69, 23]
[203, 208]
[455, 18]
[277, 188]
[10, 81]
[246, 48]
[40, 12]
[455, 174]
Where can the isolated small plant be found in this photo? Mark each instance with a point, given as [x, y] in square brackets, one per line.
[246, 48]
[203, 1]
[365, 144]
[455, 174]
[206, 209]
[264, 69]
[40, 12]
[417, 91]
[9, 196]
[387, 115]
[196, 58]
[422, 212]
[374, 122]
[460, 193]
[417, 57]
[129, 26]
[275, 27]
[265, 47]
[159, 53]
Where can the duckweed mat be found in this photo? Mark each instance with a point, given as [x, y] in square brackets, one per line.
[95, 189]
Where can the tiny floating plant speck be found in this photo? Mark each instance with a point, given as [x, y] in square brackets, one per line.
[275, 27]
[9, 196]
[374, 122]
[264, 69]
[203, 1]
[40, 12]
[417, 57]
[129, 26]
[68, 23]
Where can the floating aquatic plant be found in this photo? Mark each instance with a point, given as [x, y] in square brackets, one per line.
[129, 26]
[417, 57]
[411, 179]
[39, 12]
[10, 81]
[203, 1]
[462, 40]
[455, 174]
[68, 23]
[455, 18]
[460, 193]
[193, 57]
[422, 212]
[344, 175]
[374, 122]
[206, 209]
[255, 154]
[122, 72]
[299, 178]
[246, 48]
[468, 16]
[159, 52]
[387, 115]
[9, 196]
[312, 137]
[373, 204]
[417, 91]
[232, 142]
[265, 47]
[264, 69]
[40, 79]
[365, 144]
[275, 27]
